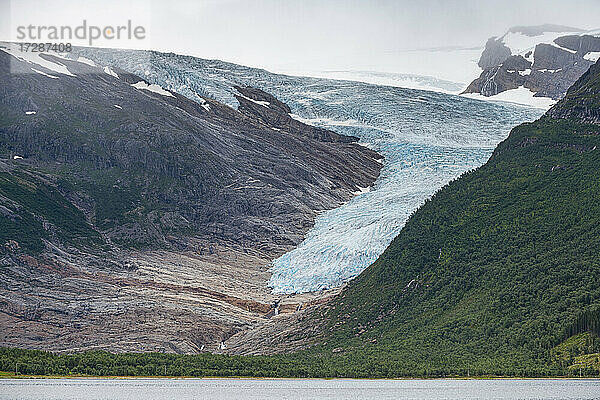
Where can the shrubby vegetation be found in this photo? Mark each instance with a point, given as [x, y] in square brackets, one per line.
[300, 365]
[26, 198]
[492, 271]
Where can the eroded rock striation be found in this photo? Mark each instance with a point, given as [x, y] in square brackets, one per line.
[135, 219]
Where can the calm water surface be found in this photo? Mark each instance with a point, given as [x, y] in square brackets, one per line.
[250, 389]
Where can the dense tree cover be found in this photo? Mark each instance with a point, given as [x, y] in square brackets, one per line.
[300, 365]
[588, 321]
[493, 269]
[25, 196]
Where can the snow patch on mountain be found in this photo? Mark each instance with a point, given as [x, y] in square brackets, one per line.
[152, 88]
[110, 72]
[498, 79]
[592, 56]
[43, 73]
[86, 61]
[519, 43]
[203, 103]
[521, 96]
[36, 58]
[260, 103]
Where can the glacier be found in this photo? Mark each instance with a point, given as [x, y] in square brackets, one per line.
[427, 139]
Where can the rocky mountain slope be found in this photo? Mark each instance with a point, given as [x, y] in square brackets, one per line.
[581, 103]
[427, 139]
[132, 218]
[545, 60]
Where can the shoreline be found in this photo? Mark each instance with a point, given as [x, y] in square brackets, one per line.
[7, 375]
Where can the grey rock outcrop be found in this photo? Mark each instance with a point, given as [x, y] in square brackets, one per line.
[494, 54]
[581, 44]
[265, 108]
[581, 104]
[548, 70]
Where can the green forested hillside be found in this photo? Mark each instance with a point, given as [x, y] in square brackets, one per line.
[24, 196]
[496, 269]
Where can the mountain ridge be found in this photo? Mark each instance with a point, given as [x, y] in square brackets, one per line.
[545, 59]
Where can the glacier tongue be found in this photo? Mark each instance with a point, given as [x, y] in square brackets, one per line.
[344, 241]
[427, 139]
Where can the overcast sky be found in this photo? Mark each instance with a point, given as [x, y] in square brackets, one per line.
[272, 33]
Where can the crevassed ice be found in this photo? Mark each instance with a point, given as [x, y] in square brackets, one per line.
[346, 240]
[427, 139]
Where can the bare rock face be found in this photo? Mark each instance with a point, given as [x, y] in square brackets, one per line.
[554, 83]
[581, 104]
[140, 220]
[494, 54]
[548, 70]
[493, 81]
[551, 57]
[581, 44]
[266, 109]
[509, 75]
[516, 63]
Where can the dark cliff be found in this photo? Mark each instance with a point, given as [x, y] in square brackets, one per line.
[547, 69]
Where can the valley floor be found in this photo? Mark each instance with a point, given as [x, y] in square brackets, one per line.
[166, 302]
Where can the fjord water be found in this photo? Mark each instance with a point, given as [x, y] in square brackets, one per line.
[291, 389]
[427, 140]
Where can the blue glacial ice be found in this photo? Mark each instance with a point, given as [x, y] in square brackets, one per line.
[427, 139]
